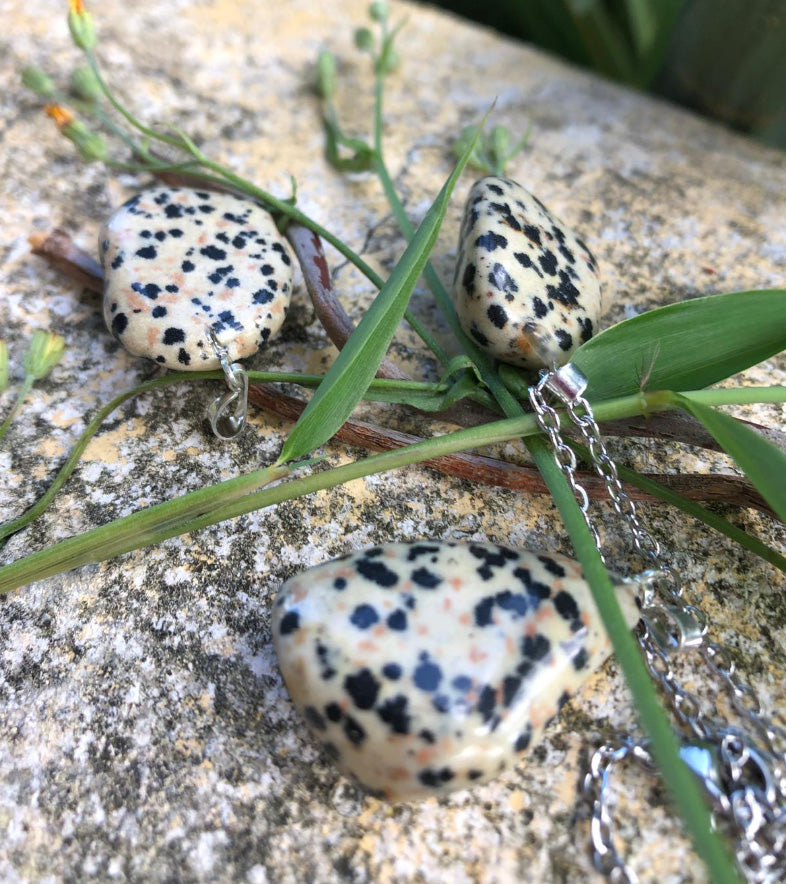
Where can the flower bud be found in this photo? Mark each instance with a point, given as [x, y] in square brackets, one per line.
[326, 74]
[378, 11]
[364, 39]
[80, 23]
[37, 81]
[84, 84]
[4, 368]
[43, 354]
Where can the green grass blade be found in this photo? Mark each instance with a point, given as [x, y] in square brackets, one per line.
[356, 365]
[685, 346]
[760, 460]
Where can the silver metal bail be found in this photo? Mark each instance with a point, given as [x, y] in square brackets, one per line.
[228, 412]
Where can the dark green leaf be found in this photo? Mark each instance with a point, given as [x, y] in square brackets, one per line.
[685, 346]
[760, 460]
[356, 365]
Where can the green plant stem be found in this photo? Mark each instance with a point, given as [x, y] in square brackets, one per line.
[24, 391]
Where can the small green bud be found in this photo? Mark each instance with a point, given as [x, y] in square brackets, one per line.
[378, 11]
[364, 40]
[499, 142]
[80, 23]
[43, 354]
[4, 366]
[84, 84]
[90, 146]
[37, 81]
[326, 74]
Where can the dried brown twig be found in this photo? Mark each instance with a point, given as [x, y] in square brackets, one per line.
[59, 250]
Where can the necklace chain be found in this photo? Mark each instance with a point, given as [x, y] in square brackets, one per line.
[742, 766]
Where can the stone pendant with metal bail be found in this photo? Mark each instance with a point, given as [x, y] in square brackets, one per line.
[427, 667]
[195, 280]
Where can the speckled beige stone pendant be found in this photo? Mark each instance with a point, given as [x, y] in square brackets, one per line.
[427, 667]
[181, 265]
[526, 288]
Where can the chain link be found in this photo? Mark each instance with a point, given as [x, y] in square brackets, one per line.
[742, 767]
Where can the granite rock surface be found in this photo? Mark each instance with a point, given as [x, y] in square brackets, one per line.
[145, 733]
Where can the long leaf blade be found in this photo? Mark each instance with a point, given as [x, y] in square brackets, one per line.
[352, 372]
[685, 346]
[760, 460]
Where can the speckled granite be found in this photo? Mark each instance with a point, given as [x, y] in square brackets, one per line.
[145, 734]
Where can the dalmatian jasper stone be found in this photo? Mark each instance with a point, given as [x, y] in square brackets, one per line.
[178, 262]
[428, 667]
[526, 287]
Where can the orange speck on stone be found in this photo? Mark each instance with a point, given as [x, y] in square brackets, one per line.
[465, 619]
[476, 655]
[367, 647]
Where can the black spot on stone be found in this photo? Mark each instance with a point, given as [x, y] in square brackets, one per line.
[174, 336]
[340, 583]
[495, 188]
[462, 683]
[333, 712]
[355, 733]
[187, 266]
[183, 358]
[580, 660]
[420, 549]
[491, 241]
[148, 252]
[377, 572]
[510, 687]
[425, 578]
[427, 675]
[394, 713]
[206, 209]
[160, 235]
[468, 278]
[524, 669]
[263, 296]
[532, 233]
[487, 703]
[502, 280]
[119, 324]
[266, 269]
[392, 671]
[290, 622]
[363, 688]
[173, 211]
[564, 697]
[552, 566]
[434, 778]
[364, 616]
[398, 620]
[483, 611]
[213, 252]
[478, 335]
[158, 312]
[565, 339]
[314, 718]
[172, 288]
[512, 601]
[548, 261]
[566, 605]
[497, 315]
[539, 307]
[277, 247]
[523, 739]
[118, 261]
[441, 702]
[565, 291]
[536, 647]
[474, 774]
[176, 232]
[586, 329]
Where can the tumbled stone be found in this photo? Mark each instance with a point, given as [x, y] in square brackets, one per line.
[180, 262]
[427, 667]
[526, 288]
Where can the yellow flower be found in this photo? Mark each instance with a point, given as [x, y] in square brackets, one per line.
[60, 115]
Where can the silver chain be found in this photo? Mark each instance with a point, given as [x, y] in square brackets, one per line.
[742, 766]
